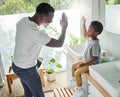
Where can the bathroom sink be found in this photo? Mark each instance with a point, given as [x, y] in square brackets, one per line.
[108, 76]
[76, 51]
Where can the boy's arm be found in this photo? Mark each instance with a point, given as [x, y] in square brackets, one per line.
[84, 27]
[89, 62]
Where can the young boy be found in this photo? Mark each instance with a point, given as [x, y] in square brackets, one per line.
[91, 56]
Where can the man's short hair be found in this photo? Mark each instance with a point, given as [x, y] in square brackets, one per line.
[44, 9]
[98, 27]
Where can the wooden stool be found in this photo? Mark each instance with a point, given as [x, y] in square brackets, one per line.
[63, 92]
[11, 75]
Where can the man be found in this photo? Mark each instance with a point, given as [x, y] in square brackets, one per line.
[30, 37]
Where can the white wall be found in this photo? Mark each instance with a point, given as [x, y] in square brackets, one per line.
[111, 43]
[113, 19]
[93, 10]
[111, 35]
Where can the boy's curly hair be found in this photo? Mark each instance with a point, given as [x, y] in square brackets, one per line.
[98, 27]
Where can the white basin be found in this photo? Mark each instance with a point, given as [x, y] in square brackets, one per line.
[108, 76]
[76, 51]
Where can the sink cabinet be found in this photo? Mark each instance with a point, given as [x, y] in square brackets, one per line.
[92, 91]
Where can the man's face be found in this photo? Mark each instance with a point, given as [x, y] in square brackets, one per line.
[46, 20]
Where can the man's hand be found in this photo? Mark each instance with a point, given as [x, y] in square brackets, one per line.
[64, 21]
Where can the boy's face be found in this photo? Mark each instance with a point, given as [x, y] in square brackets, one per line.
[91, 32]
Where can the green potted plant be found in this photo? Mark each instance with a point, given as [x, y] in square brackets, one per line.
[50, 71]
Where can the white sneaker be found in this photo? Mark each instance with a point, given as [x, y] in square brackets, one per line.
[79, 92]
[72, 84]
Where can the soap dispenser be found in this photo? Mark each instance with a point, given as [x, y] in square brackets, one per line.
[103, 58]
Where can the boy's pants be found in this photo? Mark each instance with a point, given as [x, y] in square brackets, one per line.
[76, 72]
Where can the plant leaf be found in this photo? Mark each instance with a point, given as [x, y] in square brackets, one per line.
[49, 71]
[52, 60]
[59, 66]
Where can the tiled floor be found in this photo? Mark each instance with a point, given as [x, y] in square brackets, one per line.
[49, 94]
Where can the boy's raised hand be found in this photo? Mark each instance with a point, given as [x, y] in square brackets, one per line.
[83, 20]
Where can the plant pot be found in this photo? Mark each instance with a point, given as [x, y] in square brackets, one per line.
[50, 77]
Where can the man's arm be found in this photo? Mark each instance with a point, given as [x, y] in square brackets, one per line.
[59, 42]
